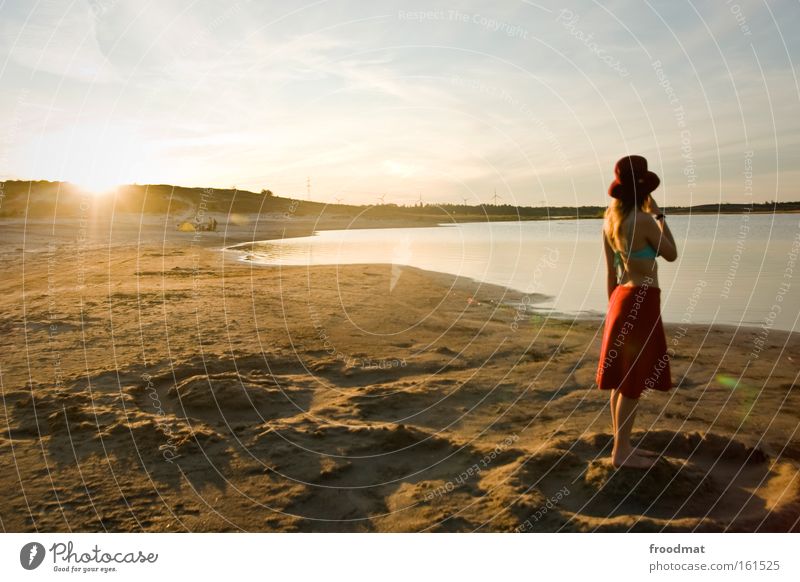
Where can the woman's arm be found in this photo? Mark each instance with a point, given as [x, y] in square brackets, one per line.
[666, 243]
[611, 270]
[659, 235]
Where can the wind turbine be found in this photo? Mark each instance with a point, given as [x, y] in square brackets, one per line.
[338, 200]
[496, 197]
[381, 198]
[465, 201]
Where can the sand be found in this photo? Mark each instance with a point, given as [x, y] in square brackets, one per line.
[151, 382]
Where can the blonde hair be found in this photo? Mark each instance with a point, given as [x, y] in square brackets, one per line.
[616, 213]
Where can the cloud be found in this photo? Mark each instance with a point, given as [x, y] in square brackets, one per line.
[56, 39]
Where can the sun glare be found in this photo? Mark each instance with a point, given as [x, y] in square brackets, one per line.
[96, 159]
[97, 186]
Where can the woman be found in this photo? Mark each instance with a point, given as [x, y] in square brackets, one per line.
[634, 355]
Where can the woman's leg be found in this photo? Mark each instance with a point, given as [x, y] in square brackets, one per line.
[615, 394]
[623, 454]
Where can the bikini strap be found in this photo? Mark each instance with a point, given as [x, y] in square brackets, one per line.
[618, 263]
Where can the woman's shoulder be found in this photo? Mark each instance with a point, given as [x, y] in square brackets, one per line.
[643, 217]
[646, 224]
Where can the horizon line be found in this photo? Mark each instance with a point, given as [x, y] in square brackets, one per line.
[477, 205]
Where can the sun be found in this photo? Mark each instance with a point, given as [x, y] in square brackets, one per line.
[98, 184]
[97, 158]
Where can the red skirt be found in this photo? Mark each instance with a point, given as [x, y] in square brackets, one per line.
[633, 356]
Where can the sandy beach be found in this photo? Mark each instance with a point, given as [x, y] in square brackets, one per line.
[152, 382]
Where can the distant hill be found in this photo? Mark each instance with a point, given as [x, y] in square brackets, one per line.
[42, 199]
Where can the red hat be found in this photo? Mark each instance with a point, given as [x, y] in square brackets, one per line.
[633, 180]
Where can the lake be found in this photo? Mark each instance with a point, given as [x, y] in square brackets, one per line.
[731, 269]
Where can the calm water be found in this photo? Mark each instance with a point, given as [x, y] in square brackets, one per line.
[731, 269]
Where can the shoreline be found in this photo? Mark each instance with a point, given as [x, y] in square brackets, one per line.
[264, 229]
[538, 297]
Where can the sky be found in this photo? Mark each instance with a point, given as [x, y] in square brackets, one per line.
[359, 102]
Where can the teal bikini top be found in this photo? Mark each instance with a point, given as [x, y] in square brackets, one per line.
[647, 252]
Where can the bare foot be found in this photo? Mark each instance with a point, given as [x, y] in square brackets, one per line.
[645, 452]
[632, 461]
